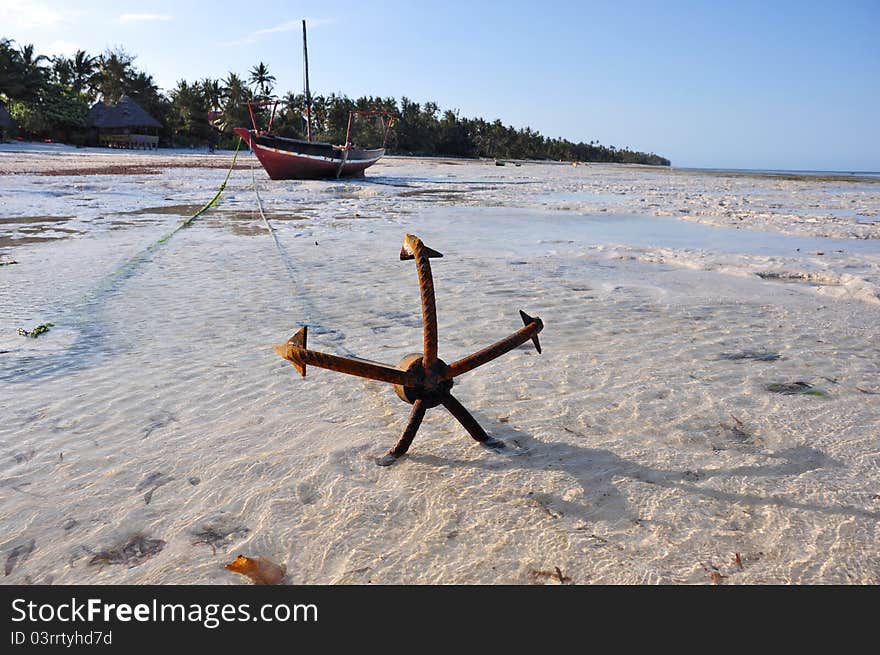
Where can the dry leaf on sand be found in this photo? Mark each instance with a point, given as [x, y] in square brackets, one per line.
[259, 569]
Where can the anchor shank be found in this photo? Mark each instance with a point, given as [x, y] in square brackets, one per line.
[413, 248]
[495, 350]
[360, 368]
[464, 417]
[429, 306]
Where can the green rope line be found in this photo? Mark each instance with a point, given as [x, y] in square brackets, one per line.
[208, 205]
[129, 266]
[132, 263]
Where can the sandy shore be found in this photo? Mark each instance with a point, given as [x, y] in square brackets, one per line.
[152, 434]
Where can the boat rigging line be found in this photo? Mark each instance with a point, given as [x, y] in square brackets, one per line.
[309, 314]
[309, 317]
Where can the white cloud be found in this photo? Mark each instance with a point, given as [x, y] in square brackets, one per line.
[291, 25]
[288, 26]
[282, 27]
[18, 15]
[144, 18]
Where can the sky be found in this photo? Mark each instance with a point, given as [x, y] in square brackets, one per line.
[717, 83]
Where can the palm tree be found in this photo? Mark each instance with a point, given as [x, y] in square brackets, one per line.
[33, 74]
[62, 70]
[236, 96]
[212, 91]
[143, 90]
[141, 85]
[261, 79]
[189, 111]
[114, 72]
[84, 68]
[10, 69]
[291, 116]
[235, 91]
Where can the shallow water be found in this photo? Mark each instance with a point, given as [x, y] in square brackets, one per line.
[153, 435]
[637, 231]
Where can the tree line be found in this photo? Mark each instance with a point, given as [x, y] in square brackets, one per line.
[49, 98]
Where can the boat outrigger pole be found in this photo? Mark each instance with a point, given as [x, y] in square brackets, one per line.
[308, 95]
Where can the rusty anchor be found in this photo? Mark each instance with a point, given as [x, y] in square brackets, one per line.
[421, 379]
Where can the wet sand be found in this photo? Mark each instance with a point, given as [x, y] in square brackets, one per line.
[705, 410]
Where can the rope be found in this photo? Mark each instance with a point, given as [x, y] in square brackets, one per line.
[129, 267]
[85, 303]
[309, 315]
[209, 204]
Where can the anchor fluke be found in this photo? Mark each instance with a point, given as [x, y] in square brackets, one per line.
[286, 349]
[412, 244]
[528, 320]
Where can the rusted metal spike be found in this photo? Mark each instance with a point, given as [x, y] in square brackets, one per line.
[469, 422]
[526, 319]
[409, 433]
[299, 357]
[298, 340]
[412, 243]
[497, 349]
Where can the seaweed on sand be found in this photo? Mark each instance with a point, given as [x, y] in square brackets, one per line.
[795, 388]
[18, 555]
[734, 435]
[133, 552]
[555, 574]
[756, 355]
[37, 331]
[153, 482]
[217, 534]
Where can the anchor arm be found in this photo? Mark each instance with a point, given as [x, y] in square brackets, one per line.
[413, 248]
[464, 417]
[469, 423]
[409, 433]
[530, 330]
[294, 350]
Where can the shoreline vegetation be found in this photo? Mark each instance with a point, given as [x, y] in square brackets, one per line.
[49, 99]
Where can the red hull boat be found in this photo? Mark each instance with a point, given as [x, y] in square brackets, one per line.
[295, 159]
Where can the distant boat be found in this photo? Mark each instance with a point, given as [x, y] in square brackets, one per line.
[295, 159]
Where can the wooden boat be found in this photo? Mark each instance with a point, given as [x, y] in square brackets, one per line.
[295, 159]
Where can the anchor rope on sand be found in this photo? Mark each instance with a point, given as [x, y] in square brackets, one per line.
[213, 201]
[128, 267]
[309, 314]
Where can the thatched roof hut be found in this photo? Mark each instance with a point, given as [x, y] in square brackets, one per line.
[124, 124]
[125, 114]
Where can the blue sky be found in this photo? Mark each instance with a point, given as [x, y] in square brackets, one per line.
[769, 84]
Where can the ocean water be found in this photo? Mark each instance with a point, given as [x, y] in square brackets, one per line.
[152, 434]
[789, 172]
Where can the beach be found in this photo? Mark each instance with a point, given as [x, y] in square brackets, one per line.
[706, 408]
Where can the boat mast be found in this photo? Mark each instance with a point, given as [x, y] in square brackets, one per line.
[308, 95]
